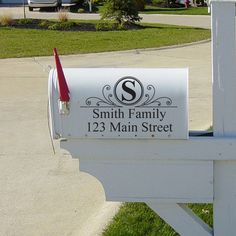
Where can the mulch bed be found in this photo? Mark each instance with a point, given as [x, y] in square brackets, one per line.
[68, 25]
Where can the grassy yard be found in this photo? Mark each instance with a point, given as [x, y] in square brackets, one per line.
[31, 42]
[136, 219]
[176, 11]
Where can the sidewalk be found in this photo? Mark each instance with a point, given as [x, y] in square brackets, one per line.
[45, 194]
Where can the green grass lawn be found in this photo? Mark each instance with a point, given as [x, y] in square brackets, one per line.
[136, 219]
[177, 11]
[28, 42]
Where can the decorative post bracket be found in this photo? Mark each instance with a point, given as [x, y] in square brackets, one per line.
[182, 219]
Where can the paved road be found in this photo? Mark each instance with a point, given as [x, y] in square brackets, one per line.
[195, 21]
[45, 194]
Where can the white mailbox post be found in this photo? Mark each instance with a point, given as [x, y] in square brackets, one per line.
[129, 129]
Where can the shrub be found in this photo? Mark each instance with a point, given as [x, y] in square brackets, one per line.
[67, 25]
[6, 20]
[106, 26]
[55, 26]
[26, 21]
[63, 16]
[121, 11]
[81, 10]
[62, 26]
[44, 24]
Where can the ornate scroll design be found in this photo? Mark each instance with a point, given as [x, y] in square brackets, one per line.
[149, 100]
[106, 101]
[155, 102]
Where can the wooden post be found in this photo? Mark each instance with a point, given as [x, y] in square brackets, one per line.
[224, 113]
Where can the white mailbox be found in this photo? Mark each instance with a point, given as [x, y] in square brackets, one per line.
[125, 126]
[121, 103]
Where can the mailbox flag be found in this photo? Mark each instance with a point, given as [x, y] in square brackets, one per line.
[63, 87]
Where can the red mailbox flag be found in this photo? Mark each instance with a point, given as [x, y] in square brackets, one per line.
[63, 87]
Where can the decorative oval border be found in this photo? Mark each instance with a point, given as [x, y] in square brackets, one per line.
[139, 82]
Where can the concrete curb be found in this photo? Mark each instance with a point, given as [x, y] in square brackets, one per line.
[137, 51]
[170, 47]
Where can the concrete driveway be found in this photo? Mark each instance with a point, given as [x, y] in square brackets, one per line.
[194, 21]
[41, 193]
[45, 194]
